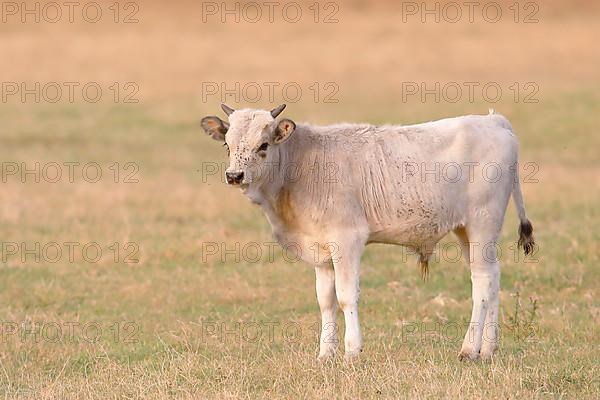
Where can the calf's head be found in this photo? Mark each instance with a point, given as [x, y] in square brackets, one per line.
[251, 137]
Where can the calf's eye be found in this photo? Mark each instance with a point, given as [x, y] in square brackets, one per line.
[263, 147]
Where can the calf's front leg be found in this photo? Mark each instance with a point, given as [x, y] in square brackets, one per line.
[347, 268]
[328, 344]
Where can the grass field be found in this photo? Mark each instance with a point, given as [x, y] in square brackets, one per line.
[154, 318]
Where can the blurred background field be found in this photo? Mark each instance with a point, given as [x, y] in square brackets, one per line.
[175, 325]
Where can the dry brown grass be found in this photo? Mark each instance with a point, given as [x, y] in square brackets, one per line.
[171, 296]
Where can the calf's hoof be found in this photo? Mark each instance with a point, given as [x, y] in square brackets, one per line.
[327, 355]
[468, 355]
[487, 352]
[352, 355]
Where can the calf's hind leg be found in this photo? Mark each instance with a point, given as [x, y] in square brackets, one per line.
[481, 338]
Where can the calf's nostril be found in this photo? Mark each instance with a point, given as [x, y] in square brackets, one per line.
[234, 177]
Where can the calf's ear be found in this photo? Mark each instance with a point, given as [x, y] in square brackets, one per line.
[284, 131]
[215, 127]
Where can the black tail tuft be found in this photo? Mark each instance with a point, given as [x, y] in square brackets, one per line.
[526, 237]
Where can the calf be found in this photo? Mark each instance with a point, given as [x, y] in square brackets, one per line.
[355, 184]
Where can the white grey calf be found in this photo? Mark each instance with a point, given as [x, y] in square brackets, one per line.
[355, 184]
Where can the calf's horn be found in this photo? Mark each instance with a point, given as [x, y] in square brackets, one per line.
[277, 110]
[228, 110]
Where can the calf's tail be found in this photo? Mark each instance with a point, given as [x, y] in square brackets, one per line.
[526, 240]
